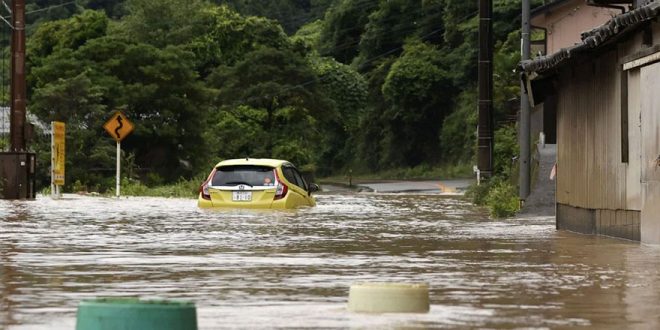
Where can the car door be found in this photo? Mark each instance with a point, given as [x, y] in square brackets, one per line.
[305, 186]
[298, 185]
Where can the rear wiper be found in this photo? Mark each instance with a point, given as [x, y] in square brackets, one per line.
[239, 182]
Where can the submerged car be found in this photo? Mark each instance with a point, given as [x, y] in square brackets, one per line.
[256, 183]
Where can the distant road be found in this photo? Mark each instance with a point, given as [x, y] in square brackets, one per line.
[448, 187]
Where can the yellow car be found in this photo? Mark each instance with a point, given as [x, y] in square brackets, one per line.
[256, 183]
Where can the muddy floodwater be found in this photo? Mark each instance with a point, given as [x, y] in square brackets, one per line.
[269, 269]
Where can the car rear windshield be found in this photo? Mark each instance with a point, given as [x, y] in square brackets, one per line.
[251, 175]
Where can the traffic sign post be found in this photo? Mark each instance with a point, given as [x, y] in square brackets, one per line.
[57, 159]
[118, 127]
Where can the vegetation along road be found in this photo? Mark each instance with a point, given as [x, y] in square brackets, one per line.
[331, 85]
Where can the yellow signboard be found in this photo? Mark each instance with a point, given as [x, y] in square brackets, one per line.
[118, 126]
[58, 152]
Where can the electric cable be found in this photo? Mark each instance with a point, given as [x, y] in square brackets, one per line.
[46, 8]
[368, 61]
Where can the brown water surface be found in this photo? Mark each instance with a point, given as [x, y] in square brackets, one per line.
[269, 269]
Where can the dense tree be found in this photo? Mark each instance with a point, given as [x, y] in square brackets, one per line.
[277, 93]
[291, 14]
[371, 145]
[388, 27]
[163, 22]
[366, 84]
[112, 8]
[418, 93]
[348, 91]
[79, 75]
[227, 37]
[344, 25]
[39, 11]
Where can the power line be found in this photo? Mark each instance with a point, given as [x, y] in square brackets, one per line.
[50, 7]
[44, 9]
[368, 61]
[397, 17]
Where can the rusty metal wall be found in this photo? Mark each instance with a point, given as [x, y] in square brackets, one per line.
[650, 122]
[650, 151]
[614, 223]
[17, 175]
[634, 189]
[591, 174]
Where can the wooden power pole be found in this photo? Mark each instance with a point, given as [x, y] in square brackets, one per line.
[485, 131]
[525, 121]
[17, 166]
[18, 89]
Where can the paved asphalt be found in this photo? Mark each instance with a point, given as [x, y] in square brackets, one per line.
[449, 187]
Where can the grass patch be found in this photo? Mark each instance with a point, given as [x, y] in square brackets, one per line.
[180, 189]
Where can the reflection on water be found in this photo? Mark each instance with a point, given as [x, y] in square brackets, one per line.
[248, 269]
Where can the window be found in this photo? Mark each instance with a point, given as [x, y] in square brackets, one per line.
[293, 176]
[251, 175]
[300, 179]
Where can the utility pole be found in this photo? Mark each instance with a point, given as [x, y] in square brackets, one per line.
[524, 134]
[18, 97]
[18, 166]
[485, 131]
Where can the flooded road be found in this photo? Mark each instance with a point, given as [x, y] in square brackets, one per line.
[250, 269]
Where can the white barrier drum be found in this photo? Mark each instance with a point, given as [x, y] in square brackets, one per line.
[389, 298]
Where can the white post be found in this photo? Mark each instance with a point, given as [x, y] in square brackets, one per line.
[118, 168]
[476, 170]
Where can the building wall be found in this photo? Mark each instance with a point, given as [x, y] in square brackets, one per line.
[590, 173]
[565, 23]
[650, 151]
[598, 191]
[614, 223]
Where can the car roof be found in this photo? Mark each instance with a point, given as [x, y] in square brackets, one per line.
[252, 161]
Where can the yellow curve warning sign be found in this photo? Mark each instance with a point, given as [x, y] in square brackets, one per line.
[118, 126]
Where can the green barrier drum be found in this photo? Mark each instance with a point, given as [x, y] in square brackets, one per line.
[134, 314]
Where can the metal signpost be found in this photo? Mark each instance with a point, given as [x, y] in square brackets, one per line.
[118, 127]
[57, 157]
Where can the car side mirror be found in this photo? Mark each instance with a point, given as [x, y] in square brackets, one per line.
[314, 188]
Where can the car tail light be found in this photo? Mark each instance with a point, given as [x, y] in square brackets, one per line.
[280, 189]
[204, 188]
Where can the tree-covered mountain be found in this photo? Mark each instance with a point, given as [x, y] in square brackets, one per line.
[333, 85]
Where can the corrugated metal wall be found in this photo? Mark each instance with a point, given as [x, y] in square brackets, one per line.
[650, 122]
[590, 171]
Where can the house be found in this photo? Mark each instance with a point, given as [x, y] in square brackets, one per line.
[607, 94]
[558, 24]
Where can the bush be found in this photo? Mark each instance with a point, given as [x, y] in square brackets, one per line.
[502, 200]
[131, 188]
[478, 193]
[181, 189]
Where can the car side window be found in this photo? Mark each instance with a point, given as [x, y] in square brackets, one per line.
[288, 174]
[300, 179]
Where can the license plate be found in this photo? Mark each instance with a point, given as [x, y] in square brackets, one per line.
[241, 196]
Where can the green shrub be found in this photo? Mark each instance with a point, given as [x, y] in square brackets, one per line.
[78, 187]
[478, 193]
[131, 188]
[502, 200]
[180, 189]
